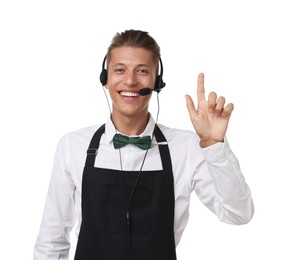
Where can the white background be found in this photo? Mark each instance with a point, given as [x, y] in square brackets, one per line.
[50, 59]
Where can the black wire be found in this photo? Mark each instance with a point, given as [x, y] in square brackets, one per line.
[128, 213]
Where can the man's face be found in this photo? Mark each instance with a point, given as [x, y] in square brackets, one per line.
[129, 70]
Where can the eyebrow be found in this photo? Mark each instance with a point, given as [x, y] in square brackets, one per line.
[117, 64]
[122, 64]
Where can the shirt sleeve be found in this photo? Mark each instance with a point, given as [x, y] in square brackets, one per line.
[59, 213]
[220, 185]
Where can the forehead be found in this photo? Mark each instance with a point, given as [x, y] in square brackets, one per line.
[131, 55]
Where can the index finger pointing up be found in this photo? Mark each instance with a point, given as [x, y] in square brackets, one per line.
[201, 87]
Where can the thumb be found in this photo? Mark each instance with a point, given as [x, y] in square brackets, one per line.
[191, 106]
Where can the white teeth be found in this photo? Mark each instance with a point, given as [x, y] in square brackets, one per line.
[129, 94]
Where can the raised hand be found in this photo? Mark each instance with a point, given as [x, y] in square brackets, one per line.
[211, 118]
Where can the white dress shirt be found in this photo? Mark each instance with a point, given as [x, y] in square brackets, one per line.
[212, 172]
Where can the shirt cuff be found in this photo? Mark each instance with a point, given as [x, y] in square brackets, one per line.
[216, 151]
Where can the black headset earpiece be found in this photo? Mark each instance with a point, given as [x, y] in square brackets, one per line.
[159, 85]
[103, 74]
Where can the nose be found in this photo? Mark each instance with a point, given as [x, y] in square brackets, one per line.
[130, 79]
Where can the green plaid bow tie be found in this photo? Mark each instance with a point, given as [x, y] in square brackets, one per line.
[141, 142]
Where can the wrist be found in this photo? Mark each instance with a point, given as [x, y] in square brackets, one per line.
[208, 142]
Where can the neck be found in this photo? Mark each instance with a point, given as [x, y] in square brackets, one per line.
[130, 125]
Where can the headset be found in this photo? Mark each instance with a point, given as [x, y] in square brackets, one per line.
[159, 84]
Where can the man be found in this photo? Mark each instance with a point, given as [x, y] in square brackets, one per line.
[131, 201]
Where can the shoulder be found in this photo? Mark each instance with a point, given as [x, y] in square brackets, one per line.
[174, 135]
[79, 137]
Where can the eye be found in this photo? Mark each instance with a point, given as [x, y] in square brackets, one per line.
[119, 70]
[142, 71]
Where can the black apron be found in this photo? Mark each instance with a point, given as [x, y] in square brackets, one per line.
[105, 233]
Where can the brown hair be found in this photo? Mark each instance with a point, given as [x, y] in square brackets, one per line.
[138, 39]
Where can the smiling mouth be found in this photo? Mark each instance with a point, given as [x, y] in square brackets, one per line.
[129, 94]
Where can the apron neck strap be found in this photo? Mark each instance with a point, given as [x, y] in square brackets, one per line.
[93, 147]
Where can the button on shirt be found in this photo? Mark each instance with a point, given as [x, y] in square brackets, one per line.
[212, 172]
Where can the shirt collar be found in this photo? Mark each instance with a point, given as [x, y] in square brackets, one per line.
[110, 130]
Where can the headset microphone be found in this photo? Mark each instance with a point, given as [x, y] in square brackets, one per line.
[146, 91]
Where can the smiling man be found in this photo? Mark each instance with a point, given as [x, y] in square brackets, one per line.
[127, 183]
[129, 70]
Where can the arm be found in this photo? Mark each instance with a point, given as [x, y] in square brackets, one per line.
[220, 185]
[59, 213]
[218, 182]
